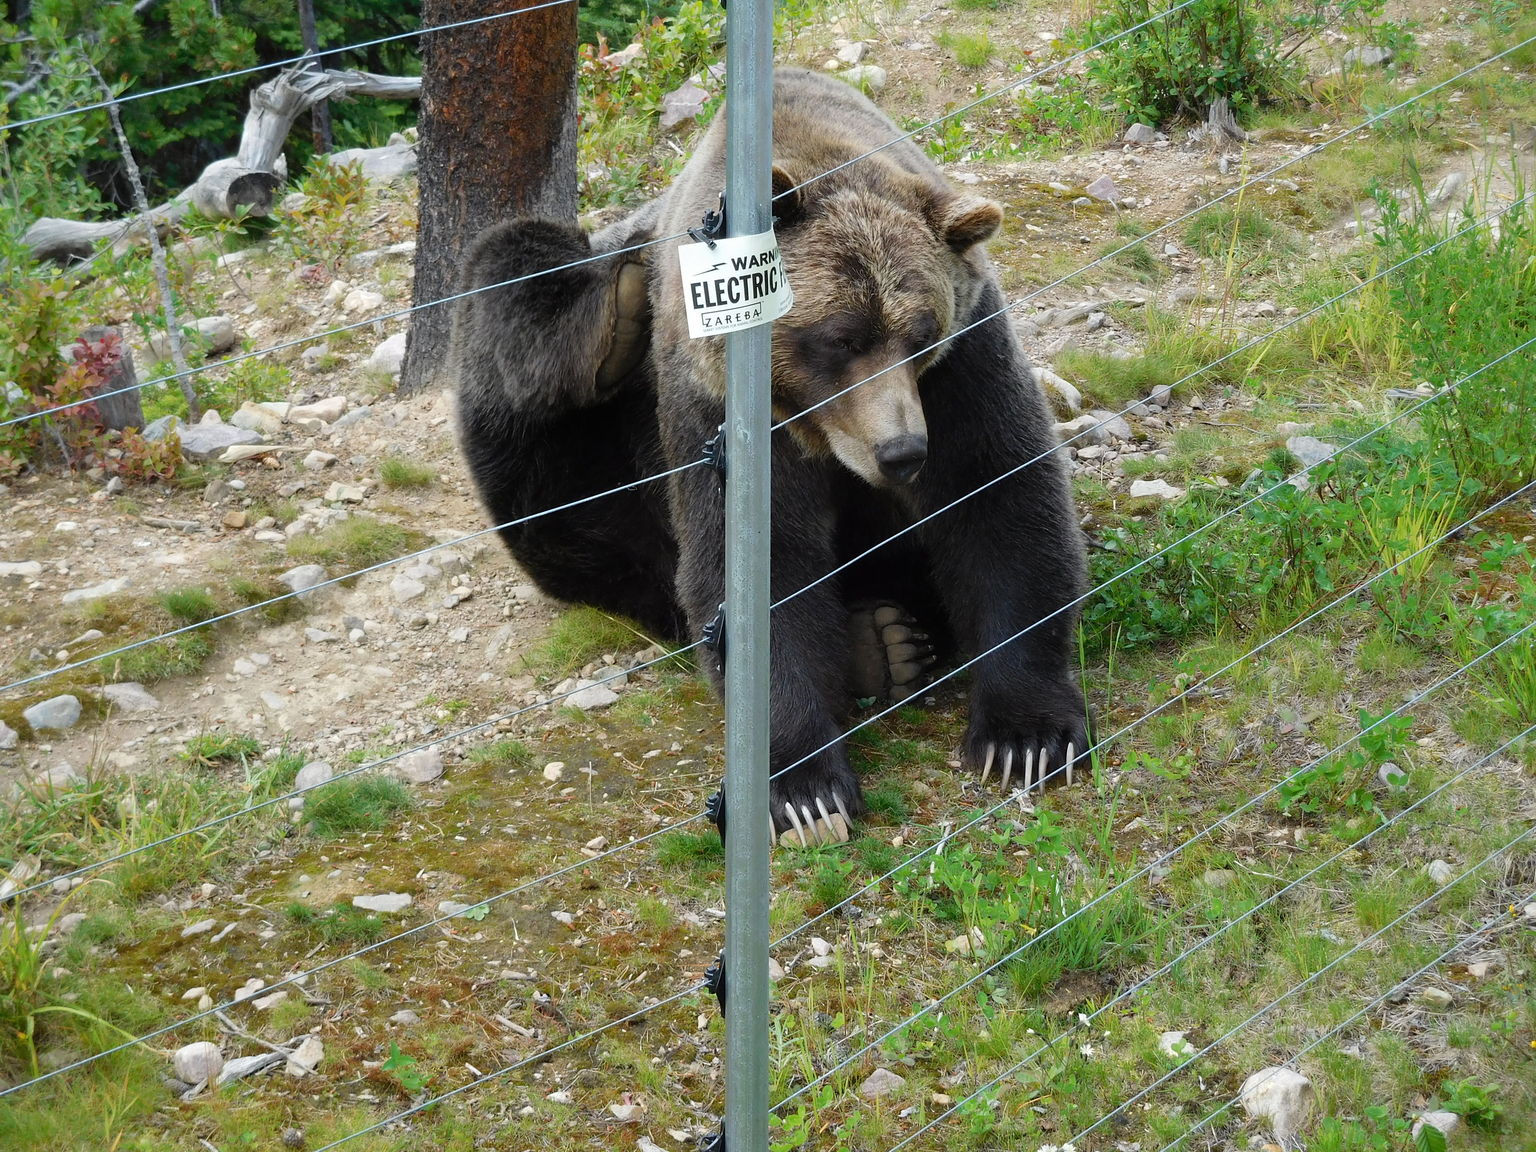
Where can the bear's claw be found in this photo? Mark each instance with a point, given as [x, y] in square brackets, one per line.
[828, 828]
[1031, 777]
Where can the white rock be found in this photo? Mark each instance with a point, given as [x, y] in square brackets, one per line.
[870, 77]
[560, 1096]
[130, 697]
[820, 947]
[327, 411]
[1440, 872]
[306, 1057]
[1436, 999]
[422, 766]
[1281, 1097]
[1082, 431]
[345, 493]
[852, 53]
[405, 1018]
[313, 774]
[271, 1001]
[55, 712]
[1155, 488]
[59, 775]
[8, 736]
[1310, 450]
[404, 589]
[199, 928]
[627, 1113]
[1446, 1123]
[302, 578]
[256, 418]
[590, 695]
[387, 902]
[1103, 189]
[218, 332]
[194, 993]
[1063, 390]
[565, 918]
[881, 1082]
[20, 570]
[98, 591]
[1173, 1045]
[318, 460]
[198, 1063]
[554, 770]
[362, 300]
[1140, 134]
[388, 356]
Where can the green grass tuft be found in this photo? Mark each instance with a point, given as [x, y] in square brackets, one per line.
[356, 804]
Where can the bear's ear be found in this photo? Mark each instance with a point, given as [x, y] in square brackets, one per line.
[965, 221]
[788, 202]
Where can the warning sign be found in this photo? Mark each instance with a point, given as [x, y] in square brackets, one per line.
[739, 283]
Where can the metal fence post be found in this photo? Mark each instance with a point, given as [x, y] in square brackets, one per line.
[749, 135]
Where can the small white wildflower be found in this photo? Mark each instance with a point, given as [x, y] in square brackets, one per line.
[1086, 1050]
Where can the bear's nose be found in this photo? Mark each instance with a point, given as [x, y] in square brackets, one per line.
[901, 458]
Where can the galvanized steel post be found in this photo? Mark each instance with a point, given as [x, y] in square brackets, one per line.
[748, 199]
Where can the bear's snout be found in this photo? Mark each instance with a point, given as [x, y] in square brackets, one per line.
[900, 459]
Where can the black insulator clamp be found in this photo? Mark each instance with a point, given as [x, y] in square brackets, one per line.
[713, 227]
[712, 1142]
[714, 808]
[714, 633]
[714, 979]
[714, 451]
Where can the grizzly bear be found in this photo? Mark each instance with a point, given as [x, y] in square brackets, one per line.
[911, 410]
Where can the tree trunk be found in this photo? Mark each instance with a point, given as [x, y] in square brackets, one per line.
[123, 409]
[320, 114]
[497, 139]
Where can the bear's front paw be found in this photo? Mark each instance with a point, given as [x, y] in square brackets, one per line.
[815, 803]
[1029, 740]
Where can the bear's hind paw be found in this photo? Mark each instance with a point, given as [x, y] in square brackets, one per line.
[822, 828]
[1036, 766]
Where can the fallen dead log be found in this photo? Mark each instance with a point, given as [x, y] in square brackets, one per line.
[244, 184]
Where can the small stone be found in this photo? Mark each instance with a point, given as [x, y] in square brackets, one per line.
[560, 1096]
[302, 578]
[775, 970]
[194, 993]
[387, 902]
[1084, 430]
[422, 766]
[405, 1018]
[388, 356]
[404, 589]
[271, 1001]
[972, 941]
[590, 696]
[306, 1057]
[205, 441]
[198, 1063]
[1440, 872]
[554, 770]
[1159, 488]
[1103, 189]
[60, 775]
[55, 712]
[293, 1138]
[1063, 394]
[98, 591]
[1436, 999]
[1310, 450]
[1368, 56]
[327, 411]
[1279, 1096]
[312, 775]
[1174, 1046]
[1392, 777]
[345, 493]
[820, 947]
[881, 1082]
[317, 461]
[452, 908]
[217, 332]
[8, 736]
[199, 928]
[1446, 1123]
[627, 1113]
[565, 918]
[852, 53]
[1265, 309]
[682, 105]
[361, 300]
[20, 570]
[1140, 134]
[868, 77]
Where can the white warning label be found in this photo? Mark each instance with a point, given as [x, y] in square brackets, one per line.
[739, 283]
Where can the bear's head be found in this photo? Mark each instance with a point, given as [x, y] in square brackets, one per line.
[882, 273]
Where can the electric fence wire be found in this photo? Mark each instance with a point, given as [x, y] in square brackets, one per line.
[1488, 925]
[456, 734]
[1310, 153]
[1194, 689]
[364, 323]
[1144, 561]
[638, 1014]
[1276, 1002]
[1241, 348]
[333, 580]
[130, 97]
[298, 978]
[485, 288]
[1291, 322]
[1161, 860]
